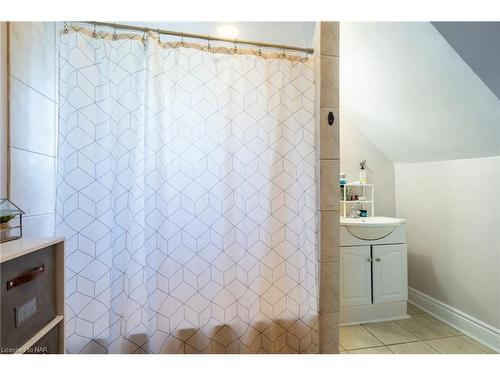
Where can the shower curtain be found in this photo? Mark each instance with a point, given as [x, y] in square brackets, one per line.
[186, 193]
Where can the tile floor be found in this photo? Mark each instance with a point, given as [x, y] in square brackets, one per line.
[421, 334]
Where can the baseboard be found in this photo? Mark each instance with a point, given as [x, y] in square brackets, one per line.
[478, 330]
[373, 313]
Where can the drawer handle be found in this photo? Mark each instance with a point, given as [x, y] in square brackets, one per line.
[377, 259]
[24, 278]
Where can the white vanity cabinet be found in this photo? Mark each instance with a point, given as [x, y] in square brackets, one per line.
[390, 279]
[373, 276]
[355, 276]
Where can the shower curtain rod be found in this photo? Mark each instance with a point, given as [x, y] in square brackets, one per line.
[200, 36]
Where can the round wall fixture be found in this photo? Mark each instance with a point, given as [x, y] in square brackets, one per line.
[331, 118]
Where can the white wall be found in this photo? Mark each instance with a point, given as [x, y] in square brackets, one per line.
[452, 209]
[3, 109]
[298, 34]
[354, 147]
[33, 123]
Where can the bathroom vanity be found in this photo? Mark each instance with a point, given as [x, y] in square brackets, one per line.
[373, 270]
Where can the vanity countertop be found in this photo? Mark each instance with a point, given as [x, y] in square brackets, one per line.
[373, 221]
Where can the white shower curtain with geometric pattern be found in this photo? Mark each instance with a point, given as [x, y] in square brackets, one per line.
[186, 193]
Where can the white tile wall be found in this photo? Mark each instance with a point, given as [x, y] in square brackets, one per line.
[3, 110]
[32, 115]
[32, 182]
[39, 225]
[33, 123]
[32, 57]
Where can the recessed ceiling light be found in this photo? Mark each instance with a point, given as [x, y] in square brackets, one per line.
[227, 31]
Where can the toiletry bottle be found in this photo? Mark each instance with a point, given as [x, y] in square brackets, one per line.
[343, 179]
[343, 182]
[362, 172]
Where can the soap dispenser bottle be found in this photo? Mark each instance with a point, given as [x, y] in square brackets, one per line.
[362, 172]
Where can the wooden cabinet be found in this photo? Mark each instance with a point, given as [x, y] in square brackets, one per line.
[32, 296]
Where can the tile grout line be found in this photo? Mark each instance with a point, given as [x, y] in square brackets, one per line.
[367, 330]
[33, 152]
[425, 342]
[435, 338]
[459, 336]
[404, 342]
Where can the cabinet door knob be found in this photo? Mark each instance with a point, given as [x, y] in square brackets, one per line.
[369, 260]
[377, 259]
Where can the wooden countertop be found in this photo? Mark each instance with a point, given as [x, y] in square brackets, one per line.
[16, 248]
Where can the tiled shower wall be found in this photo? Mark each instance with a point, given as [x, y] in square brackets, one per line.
[33, 120]
[326, 54]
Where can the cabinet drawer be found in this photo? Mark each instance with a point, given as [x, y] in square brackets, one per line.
[28, 296]
[48, 344]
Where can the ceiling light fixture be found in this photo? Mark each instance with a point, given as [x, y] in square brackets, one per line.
[227, 31]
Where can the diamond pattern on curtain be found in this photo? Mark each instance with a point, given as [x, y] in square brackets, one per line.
[186, 192]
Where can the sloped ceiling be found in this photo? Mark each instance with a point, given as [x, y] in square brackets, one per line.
[478, 44]
[408, 90]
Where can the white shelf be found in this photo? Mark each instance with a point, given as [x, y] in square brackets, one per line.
[350, 184]
[358, 201]
[368, 204]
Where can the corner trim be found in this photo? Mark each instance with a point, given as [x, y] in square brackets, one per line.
[475, 328]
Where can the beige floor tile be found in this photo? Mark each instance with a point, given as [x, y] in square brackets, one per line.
[424, 328]
[413, 310]
[390, 332]
[377, 350]
[443, 325]
[418, 347]
[357, 337]
[479, 345]
[454, 345]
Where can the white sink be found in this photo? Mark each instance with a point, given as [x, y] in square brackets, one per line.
[370, 228]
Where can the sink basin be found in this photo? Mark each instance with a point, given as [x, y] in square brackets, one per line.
[370, 228]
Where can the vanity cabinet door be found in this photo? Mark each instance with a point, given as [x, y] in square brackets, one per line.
[390, 276]
[355, 276]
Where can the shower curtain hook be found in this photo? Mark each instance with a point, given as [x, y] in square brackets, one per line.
[115, 37]
[284, 53]
[159, 38]
[307, 56]
[66, 28]
[235, 45]
[182, 39]
[209, 48]
[260, 50]
[94, 34]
